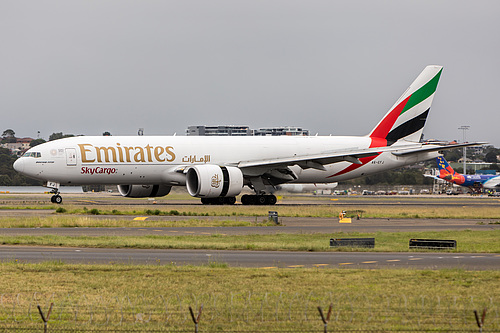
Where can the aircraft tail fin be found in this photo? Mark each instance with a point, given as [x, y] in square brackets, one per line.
[406, 118]
[447, 173]
[444, 167]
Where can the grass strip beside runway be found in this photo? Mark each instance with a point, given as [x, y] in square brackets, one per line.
[467, 241]
[389, 210]
[71, 221]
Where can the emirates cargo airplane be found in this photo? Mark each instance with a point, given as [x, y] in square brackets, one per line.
[216, 169]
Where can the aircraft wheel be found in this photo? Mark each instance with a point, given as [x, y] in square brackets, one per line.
[261, 200]
[271, 199]
[246, 199]
[56, 199]
[229, 200]
[205, 201]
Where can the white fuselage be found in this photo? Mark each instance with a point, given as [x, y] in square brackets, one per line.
[146, 160]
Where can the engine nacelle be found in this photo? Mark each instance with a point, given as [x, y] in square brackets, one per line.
[211, 181]
[143, 191]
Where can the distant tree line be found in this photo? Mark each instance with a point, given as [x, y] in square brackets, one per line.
[489, 154]
[9, 136]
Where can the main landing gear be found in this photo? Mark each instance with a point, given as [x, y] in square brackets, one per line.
[263, 199]
[219, 201]
[246, 199]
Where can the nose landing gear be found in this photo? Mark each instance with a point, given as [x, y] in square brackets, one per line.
[56, 198]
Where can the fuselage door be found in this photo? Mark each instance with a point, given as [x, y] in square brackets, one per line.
[70, 156]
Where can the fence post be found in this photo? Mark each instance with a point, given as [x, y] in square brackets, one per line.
[45, 319]
[480, 323]
[327, 319]
[196, 319]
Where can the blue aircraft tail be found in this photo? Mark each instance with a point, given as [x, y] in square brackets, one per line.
[447, 173]
[443, 166]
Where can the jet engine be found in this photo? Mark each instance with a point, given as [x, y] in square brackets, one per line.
[211, 181]
[143, 191]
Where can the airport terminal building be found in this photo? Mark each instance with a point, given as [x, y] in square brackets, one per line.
[235, 130]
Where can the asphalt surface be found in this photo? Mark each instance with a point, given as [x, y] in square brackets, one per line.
[260, 259]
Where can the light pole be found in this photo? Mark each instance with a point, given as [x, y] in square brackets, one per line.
[464, 128]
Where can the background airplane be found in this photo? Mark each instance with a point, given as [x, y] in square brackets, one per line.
[474, 182]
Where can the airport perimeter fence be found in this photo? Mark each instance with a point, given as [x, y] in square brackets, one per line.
[247, 312]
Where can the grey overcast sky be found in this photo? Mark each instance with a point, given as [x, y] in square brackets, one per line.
[333, 67]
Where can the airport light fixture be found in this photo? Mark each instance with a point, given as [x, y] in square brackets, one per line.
[464, 128]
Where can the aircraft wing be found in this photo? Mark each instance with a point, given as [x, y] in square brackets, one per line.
[318, 160]
[433, 147]
[279, 166]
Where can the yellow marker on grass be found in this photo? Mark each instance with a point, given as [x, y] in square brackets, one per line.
[343, 219]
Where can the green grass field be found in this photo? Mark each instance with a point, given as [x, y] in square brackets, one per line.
[112, 297]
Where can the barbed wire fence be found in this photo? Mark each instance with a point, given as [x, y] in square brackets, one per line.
[247, 312]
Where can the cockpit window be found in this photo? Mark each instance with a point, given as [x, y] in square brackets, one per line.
[32, 154]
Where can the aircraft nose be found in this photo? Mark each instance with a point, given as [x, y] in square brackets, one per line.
[19, 165]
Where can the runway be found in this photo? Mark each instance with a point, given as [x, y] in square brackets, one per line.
[258, 259]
